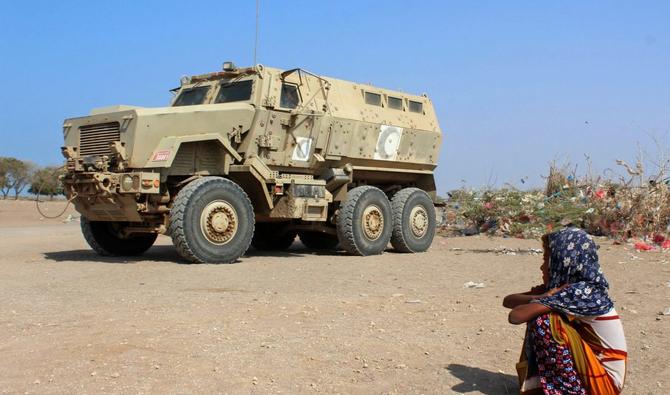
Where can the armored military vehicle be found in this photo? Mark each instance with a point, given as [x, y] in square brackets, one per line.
[257, 156]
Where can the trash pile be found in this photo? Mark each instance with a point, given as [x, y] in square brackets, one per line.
[635, 208]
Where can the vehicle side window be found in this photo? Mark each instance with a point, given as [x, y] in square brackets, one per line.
[415, 106]
[234, 91]
[374, 99]
[290, 97]
[395, 103]
[191, 97]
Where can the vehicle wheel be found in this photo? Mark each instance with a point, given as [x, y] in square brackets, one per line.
[212, 220]
[104, 238]
[270, 236]
[319, 240]
[364, 222]
[413, 220]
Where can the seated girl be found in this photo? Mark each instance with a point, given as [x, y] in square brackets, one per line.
[574, 339]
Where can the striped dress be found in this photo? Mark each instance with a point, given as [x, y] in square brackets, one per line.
[604, 334]
[574, 355]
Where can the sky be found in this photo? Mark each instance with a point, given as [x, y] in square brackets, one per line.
[515, 84]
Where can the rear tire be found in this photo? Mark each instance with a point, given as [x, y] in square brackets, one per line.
[211, 221]
[103, 237]
[364, 222]
[319, 240]
[414, 220]
[272, 236]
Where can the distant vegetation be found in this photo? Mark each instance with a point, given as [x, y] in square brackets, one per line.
[16, 175]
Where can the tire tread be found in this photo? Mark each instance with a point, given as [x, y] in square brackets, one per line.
[398, 203]
[181, 202]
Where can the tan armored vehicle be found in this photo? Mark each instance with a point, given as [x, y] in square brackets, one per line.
[257, 156]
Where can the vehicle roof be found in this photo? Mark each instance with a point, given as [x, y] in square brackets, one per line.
[346, 99]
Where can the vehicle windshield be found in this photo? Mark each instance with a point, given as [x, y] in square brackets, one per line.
[192, 96]
[234, 91]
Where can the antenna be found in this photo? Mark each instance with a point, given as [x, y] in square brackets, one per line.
[256, 38]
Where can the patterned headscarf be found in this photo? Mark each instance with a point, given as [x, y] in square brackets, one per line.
[574, 261]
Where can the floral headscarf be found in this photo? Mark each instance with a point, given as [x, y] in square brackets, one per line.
[574, 261]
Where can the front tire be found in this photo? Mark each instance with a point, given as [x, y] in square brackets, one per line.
[212, 221]
[104, 238]
[414, 220]
[364, 221]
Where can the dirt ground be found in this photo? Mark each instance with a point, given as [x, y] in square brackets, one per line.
[287, 322]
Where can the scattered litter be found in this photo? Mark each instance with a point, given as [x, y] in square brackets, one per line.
[642, 246]
[502, 251]
[413, 301]
[666, 311]
[472, 284]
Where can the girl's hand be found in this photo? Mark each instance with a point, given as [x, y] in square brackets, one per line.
[537, 290]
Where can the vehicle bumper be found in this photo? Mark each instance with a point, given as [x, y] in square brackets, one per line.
[106, 196]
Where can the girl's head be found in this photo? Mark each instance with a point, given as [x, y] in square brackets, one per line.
[570, 256]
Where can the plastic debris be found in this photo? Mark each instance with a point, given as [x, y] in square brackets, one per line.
[472, 284]
[642, 246]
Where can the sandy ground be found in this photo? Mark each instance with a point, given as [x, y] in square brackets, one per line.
[286, 322]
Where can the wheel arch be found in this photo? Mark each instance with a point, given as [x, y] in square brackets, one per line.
[176, 148]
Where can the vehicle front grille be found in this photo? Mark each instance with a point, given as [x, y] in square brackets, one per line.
[95, 139]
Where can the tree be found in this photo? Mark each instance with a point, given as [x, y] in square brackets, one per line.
[45, 182]
[4, 182]
[14, 175]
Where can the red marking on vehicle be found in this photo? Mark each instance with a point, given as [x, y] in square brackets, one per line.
[161, 156]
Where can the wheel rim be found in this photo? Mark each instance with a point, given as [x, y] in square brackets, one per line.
[218, 222]
[372, 222]
[418, 220]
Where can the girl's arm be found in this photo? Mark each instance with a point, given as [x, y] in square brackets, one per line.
[513, 300]
[526, 312]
